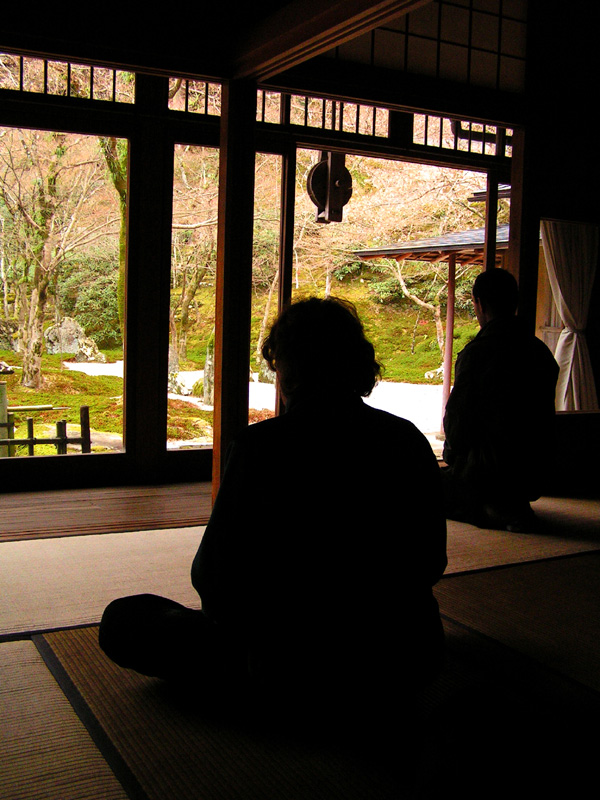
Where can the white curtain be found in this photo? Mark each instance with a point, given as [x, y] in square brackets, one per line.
[571, 252]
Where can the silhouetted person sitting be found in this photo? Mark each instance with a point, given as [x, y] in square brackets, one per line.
[317, 565]
[499, 414]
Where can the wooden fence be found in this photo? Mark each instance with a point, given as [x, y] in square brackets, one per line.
[61, 440]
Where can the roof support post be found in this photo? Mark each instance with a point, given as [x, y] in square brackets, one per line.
[448, 339]
[234, 268]
[491, 221]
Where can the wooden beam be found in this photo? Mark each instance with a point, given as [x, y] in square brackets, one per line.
[306, 28]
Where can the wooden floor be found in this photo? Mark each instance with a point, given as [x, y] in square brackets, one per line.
[32, 515]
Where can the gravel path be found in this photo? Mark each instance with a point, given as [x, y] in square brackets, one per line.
[420, 403]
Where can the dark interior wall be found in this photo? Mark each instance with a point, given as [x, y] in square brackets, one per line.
[593, 330]
[563, 89]
[562, 93]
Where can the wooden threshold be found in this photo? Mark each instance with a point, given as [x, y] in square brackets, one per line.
[72, 512]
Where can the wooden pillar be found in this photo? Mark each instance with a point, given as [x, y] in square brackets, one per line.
[148, 283]
[524, 243]
[286, 240]
[449, 334]
[286, 231]
[234, 268]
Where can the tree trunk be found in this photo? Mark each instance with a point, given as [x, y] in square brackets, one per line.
[33, 340]
[173, 351]
[3, 275]
[115, 155]
[188, 293]
[209, 372]
[435, 309]
[265, 319]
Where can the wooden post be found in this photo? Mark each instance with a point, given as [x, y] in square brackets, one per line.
[10, 420]
[524, 245]
[3, 419]
[150, 205]
[61, 435]
[286, 241]
[84, 421]
[234, 268]
[30, 436]
[449, 334]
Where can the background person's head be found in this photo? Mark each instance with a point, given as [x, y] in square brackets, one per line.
[319, 346]
[495, 294]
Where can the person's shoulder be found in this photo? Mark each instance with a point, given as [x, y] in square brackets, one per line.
[263, 430]
[472, 351]
[545, 356]
[385, 420]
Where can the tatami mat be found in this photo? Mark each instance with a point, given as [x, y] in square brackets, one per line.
[176, 749]
[57, 582]
[487, 724]
[548, 611]
[45, 751]
[564, 526]
[54, 583]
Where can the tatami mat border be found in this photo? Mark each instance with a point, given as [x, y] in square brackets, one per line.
[113, 758]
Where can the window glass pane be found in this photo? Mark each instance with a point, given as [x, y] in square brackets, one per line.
[192, 314]
[62, 267]
[402, 301]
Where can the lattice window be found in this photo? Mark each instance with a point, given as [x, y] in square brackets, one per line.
[65, 79]
[428, 131]
[194, 96]
[317, 112]
[469, 137]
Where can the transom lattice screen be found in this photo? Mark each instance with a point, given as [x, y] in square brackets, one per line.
[200, 97]
[65, 79]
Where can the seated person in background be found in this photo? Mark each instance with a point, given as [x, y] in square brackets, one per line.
[317, 565]
[499, 414]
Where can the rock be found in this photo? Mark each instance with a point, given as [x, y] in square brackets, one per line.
[175, 386]
[69, 337]
[266, 374]
[435, 373]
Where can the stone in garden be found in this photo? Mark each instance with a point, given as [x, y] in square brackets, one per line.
[68, 338]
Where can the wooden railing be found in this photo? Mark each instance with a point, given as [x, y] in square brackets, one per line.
[61, 440]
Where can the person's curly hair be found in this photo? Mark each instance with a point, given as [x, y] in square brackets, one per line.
[320, 344]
